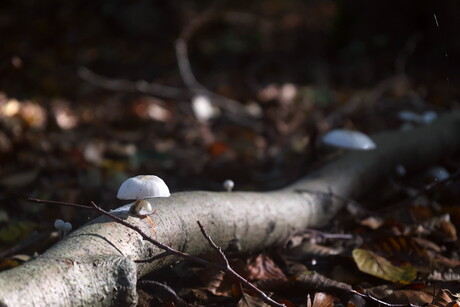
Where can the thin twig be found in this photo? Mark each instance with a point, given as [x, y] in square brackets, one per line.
[141, 86]
[435, 184]
[230, 270]
[373, 298]
[330, 236]
[191, 82]
[185, 68]
[170, 291]
[58, 203]
[169, 250]
[201, 19]
[424, 190]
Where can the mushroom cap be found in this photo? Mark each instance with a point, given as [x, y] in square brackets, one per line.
[59, 224]
[348, 139]
[228, 184]
[143, 186]
[67, 227]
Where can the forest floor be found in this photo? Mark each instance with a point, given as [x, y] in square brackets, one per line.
[76, 120]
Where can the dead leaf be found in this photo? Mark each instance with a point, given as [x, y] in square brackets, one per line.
[311, 249]
[216, 282]
[441, 227]
[399, 248]
[15, 232]
[251, 301]
[444, 298]
[370, 263]
[218, 148]
[7, 263]
[401, 296]
[262, 267]
[321, 299]
[373, 222]
[19, 179]
[316, 281]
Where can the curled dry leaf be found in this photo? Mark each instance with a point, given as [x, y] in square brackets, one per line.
[401, 296]
[444, 298]
[399, 248]
[321, 299]
[262, 267]
[313, 280]
[307, 249]
[251, 301]
[216, 282]
[19, 179]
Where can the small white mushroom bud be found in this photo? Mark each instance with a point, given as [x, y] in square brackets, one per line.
[228, 185]
[142, 208]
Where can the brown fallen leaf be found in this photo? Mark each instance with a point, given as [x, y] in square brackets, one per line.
[318, 282]
[400, 296]
[263, 267]
[444, 298]
[373, 264]
[250, 301]
[321, 299]
[19, 179]
[400, 249]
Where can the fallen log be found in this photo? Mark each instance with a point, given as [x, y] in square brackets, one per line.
[94, 265]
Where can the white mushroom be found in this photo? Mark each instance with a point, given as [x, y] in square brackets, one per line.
[59, 224]
[62, 227]
[203, 109]
[411, 117]
[67, 228]
[348, 139]
[140, 188]
[229, 185]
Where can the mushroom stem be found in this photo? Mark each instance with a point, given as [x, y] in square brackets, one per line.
[134, 205]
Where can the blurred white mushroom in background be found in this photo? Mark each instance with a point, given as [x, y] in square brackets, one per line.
[228, 185]
[203, 108]
[348, 139]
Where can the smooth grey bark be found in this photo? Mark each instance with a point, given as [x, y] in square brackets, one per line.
[94, 265]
